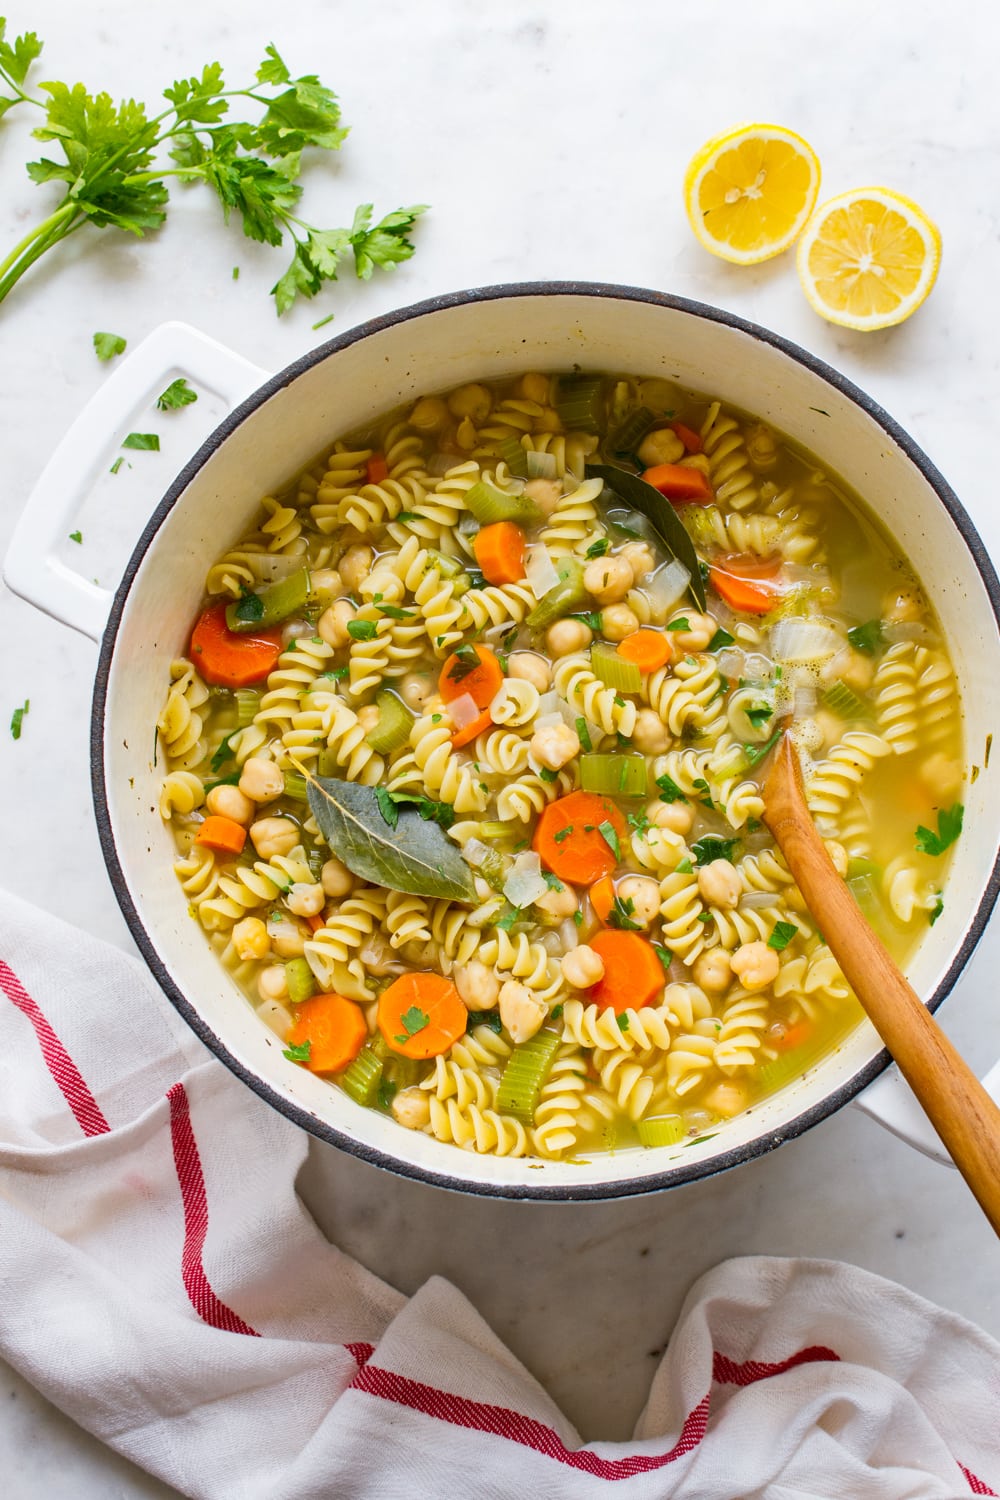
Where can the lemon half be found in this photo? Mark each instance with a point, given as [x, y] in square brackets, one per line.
[750, 191]
[868, 258]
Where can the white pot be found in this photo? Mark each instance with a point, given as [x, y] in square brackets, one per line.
[279, 428]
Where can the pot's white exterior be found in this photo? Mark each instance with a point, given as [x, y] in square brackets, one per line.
[494, 333]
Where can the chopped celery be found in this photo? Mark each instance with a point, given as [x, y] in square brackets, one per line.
[247, 704]
[613, 670]
[775, 1073]
[614, 775]
[271, 605]
[500, 830]
[489, 505]
[630, 434]
[448, 567]
[295, 787]
[404, 1072]
[858, 865]
[494, 869]
[665, 1131]
[315, 859]
[580, 403]
[327, 764]
[541, 465]
[843, 702]
[513, 454]
[567, 595]
[300, 979]
[395, 721]
[362, 1078]
[862, 888]
[526, 1070]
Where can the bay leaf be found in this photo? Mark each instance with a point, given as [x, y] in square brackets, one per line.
[415, 856]
[661, 516]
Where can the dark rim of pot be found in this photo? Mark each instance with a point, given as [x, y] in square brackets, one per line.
[676, 1174]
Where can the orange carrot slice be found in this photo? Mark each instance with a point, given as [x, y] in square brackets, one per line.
[376, 469]
[335, 1029]
[690, 439]
[602, 897]
[499, 552]
[223, 834]
[648, 649]
[633, 974]
[460, 675]
[681, 485]
[575, 835]
[226, 659]
[421, 1015]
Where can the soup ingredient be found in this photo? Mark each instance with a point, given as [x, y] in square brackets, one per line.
[578, 837]
[949, 827]
[681, 486]
[567, 595]
[663, 519]
[222, 834]
[743, 586]
[472, 670]
[633, 973]
[107, 345]
[615, 669]
[277, 602]
[868, 258]
[421, 1015]
[490, 505]
[333, 1028]
[362, 1078]
[648, 649]
[409, 854]
[665, 1130]
[749, 192]
[499, 552]
[614, 775]
[395, 721]
[17, 719]
[526, 1071]
[230, 660]
[113, 179]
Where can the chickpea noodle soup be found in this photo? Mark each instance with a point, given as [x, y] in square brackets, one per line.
[464, 761]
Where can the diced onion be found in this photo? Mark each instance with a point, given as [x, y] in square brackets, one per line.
[541, 465]
[569, 935]
[549, 702]
[463, 710]
[468, 524]
[474, 851]
[439, 463]
[908, 630]
[525, 883]
[668, 584]
[539, 569]
[804, 704]
[731, 664]
[545, 721]
[756, 900]
[804, 640]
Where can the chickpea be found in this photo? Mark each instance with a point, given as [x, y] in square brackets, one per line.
[250, 938]
[608, 579]
[331, 626]
[327, 582]
[412, 1107]
[530, 667]
[661, 446]
[558, 903]
[288, 939]
[546, 494]
[368, 717]
[700, 631]
[640, 559]
[272, 984]
[727, 1099]
[472, 401]
[548, 420]
[851, 667]
[838, 855]
[713, 971]
[677, 816]
[618, 621]
[534, 387]
[305, 898]
[567, 636]
[478, 986]
[230, 802]
[755, 965]
[355, 565]
[521, 1011]
[415, 691]
[644, 894]
[466, 436]
[271, 836]
[260, 780]
[650, 734]
[720, 884]
[582, 967]
[902, 604]
[335, 878]
[555, 745]
[429, 414]
[292, 629]
[277, 1017]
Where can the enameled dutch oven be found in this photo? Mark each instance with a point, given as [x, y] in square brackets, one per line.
[280, 426]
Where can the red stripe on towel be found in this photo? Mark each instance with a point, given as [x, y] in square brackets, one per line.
[501, 1421]
[360, 1353]
[726, 1371]
[195, 1201]
[67, 1076]
[976, 1485]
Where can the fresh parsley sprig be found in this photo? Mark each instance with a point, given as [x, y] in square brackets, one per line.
[114, 161]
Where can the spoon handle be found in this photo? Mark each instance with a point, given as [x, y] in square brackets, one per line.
[954, 1100]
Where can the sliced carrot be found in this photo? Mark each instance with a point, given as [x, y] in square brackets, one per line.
[226, 659]
[570, 841]
[223, 834]
[467, 734]
[335, 1029]
[633, 974]
[648, 649]
[499, 552]
[794, 1036]
[602, 897]
[681, 485]
[314, 923]
[690, 439]
[421, 1015]
[376, 469]
[740, 584]
[459, 675]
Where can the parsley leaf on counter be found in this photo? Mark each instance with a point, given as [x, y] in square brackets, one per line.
[147, 442]
[178, 393]
[107, 345]
[113, 162]
[17, 717]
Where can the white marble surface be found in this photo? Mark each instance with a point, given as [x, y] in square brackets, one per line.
[551, 140]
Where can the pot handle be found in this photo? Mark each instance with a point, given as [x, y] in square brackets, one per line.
[33, 566]
[890, 1101]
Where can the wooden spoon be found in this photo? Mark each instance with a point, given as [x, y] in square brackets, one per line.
[954, 1100]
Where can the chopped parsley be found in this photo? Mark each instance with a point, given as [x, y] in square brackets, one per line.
[867, 637]
[322, 322]
[386, 1093]
[623, 1021]
[578, 919]
[637, 821]
[407, 516]
[299, 1052]
[387, 805]
[759, 715]
[663, 954]
[583, 734]
[76, 536]
[116, 465]
[393, 612]
[249, 609]
[177, 394]
[223, 752]
[412, 1021]
[507, 921]
[936, 910]
[598, 549]
[490, 1018]
[362, 630]
[669, 790]
[620, 915]
[17, 719]
[705, 791]
[720, 639]
[592, 620]
[547, 775]
[563, 833]
[680, 624]
[949, 827]
[610, 837]
[555, 1014]
[441, 813]
[684, 868]
[782, 936]
[107, 345]
[709, 848]
[146, 442]
[755, 753]
[552, 881]
[466, 661]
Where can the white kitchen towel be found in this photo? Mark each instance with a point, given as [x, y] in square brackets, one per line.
[161, 1282]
